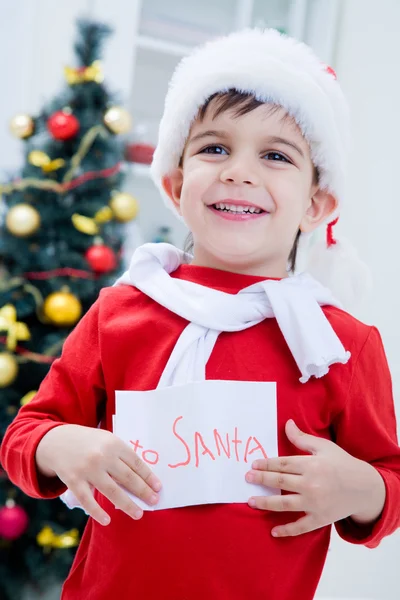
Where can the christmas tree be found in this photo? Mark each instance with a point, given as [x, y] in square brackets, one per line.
[60, 242]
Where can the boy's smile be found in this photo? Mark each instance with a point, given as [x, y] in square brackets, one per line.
[237, 210]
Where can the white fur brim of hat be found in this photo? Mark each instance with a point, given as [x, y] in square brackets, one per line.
[275, 69]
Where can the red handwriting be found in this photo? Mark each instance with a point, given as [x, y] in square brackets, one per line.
[203, 448]
[136, 445]
[187, 461]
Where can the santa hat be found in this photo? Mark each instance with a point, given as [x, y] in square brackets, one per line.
[279, 70]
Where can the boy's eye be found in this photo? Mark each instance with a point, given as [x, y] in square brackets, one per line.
[276, 156]
[213, 149]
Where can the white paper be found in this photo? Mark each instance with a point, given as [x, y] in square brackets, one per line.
[168, 427]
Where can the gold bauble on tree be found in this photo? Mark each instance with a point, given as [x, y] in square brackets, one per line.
[124, 206]
[118, 119]
[22, 126]
[8, 369]
[62, 308]
[23, 220]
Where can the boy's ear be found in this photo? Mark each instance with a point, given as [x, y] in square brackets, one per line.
[172, 184]
[322, 205]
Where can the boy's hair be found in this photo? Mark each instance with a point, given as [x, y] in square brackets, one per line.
[242, 103]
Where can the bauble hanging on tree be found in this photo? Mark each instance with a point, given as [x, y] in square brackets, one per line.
[23, 220]
[101, 258]
[118, 119]
[124, 206]
[63, 125]
[62, 308]
[13, 521]
[8, 369]
[22, 126]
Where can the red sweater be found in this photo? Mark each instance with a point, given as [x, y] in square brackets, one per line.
[217, 552]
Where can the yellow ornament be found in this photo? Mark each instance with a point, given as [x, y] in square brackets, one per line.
[8, 369]
[22, 220]
[62, 308]
[93, 72]
[90, 226]
[124, 206]
[118, 119]
[28, 397]
[22, 126]
[16, 330]
[49, 539]
[37, 158]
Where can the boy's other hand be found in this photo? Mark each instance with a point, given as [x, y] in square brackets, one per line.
[85, 458]
[328, 486]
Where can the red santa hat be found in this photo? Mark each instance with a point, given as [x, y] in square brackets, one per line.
[279, 70]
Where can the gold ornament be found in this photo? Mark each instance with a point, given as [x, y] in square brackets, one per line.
[8, 369]
[93, 72]
[28, 397]
[15, 330]
[22, 126]
[118, 119]
[62, 308]
[91, 226]
[124, 206]
[37, 158]
[49, 539]
[23, 220]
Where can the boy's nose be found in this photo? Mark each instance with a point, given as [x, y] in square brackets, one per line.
[239, 172]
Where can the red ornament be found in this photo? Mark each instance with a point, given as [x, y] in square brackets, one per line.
[13, 521]
[101, 258]
[63, 125]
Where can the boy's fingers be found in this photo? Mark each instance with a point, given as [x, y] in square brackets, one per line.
[281, 481]
[85, 496]
[129, 456]
[111, 490]
[303, 525]
[133, 483]
[283, 464]
[284, 503]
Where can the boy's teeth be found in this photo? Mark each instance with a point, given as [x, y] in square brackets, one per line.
[237, 209]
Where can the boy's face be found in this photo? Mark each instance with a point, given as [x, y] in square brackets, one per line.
[259, 162]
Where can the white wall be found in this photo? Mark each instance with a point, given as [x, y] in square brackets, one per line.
[367, 65]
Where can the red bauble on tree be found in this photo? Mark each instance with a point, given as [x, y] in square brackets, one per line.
[101, 258]
[63, 125]
[13, 521]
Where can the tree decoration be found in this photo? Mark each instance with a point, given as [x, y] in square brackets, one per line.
[23, 220]
[101, 258]
[13, 521]
[22, 126]
[8, 369]
[63, 125]
[37, 158]
[89, 225]
[118, 119]
[93, 72]
[124, 206]
[62, 308]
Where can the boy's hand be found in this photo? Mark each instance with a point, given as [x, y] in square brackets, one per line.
[84, 457]
[329, 486]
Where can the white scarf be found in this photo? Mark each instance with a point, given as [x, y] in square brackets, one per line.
[294, 302]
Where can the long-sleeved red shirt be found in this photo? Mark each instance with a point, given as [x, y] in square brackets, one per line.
[223, 551]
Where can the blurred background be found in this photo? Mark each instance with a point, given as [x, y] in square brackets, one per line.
[115, 85]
